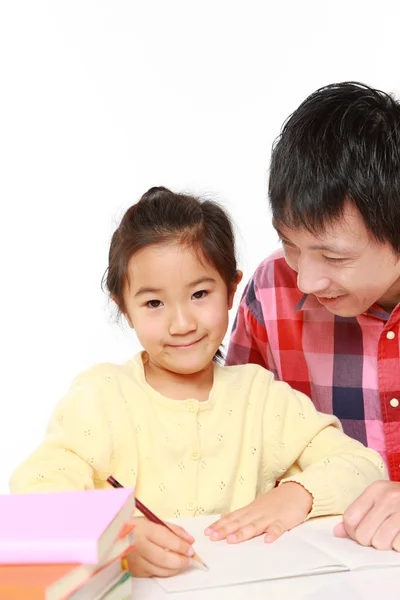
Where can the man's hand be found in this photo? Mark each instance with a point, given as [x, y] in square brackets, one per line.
[374, 518]
[159, 552]
[273, 513]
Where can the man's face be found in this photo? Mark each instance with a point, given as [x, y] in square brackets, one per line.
[344, 267]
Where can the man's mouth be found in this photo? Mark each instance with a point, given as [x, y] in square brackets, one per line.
[329, 300]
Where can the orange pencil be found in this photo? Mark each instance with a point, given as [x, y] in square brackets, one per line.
[149, 515]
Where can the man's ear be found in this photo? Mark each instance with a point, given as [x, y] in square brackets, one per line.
[233, 288]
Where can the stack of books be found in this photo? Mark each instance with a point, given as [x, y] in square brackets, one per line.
[67, 545]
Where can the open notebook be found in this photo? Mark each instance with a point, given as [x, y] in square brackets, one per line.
[307, 550]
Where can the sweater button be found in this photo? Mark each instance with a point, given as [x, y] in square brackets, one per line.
[390, 335]
[394, 403]
[190, 406]
[190, 505]
[195, 455]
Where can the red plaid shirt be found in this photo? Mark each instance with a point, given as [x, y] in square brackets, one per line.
[349, 366]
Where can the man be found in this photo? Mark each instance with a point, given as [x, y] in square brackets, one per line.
[324, 314]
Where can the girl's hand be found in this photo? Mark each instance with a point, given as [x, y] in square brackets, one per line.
[159, 552]
[272, 513]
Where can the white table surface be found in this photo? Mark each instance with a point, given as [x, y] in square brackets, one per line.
[368, 584]
[356, 585]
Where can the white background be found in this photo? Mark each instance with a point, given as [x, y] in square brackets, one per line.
[100, 101]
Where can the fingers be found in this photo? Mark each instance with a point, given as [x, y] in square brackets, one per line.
[222, 519]
[242, 529]
[340, 531]
[159, 552]
[363, 519]
[140, 566]
[273, 513]
[356, 513]
[164, 558]
[367, 526]
[165, 539]
[182, 533]
[226, 525]
[374, 518]
[274, 531]
[387, 536]
[396, 543]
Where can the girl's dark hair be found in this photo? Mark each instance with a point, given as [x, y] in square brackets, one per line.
[162, 216]
[342, 142]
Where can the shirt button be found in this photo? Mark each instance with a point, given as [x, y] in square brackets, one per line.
[190, 406]
[394, 402]
[190, 505]
[390, 335]
[195, 455]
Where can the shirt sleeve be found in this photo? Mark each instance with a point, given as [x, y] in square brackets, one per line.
[77, 447]
[310, 448]
[249, 338]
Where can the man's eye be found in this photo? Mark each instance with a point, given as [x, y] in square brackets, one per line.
[154, 303]
[286, 243]
[330, 259]
[200, 294]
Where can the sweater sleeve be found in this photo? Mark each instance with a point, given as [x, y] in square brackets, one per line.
[311, 449]
[77, 447]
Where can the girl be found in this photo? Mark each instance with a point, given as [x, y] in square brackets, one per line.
[191, 436]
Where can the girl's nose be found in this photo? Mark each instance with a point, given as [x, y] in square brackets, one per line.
[182, 322]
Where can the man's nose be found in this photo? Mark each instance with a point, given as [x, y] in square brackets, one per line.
[310, 280]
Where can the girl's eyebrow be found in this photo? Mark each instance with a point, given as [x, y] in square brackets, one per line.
[151, 290]
[202, 280]
[147, 290]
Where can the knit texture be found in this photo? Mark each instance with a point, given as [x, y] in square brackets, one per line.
[188, 458]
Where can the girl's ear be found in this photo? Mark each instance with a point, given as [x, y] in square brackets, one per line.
[127, 317]
[129, 320]
[234, 285]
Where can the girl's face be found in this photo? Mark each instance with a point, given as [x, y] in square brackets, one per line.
[178, 306]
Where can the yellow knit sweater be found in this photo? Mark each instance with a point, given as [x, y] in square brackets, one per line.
[188, 458]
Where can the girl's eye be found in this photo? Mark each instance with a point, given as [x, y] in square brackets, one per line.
[200, 294]
[154, 303]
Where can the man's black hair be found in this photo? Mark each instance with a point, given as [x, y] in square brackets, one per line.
[343, 142]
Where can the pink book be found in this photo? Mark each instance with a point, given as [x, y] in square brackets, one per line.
[62, 527]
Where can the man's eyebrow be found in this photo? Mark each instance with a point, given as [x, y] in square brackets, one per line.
[278, 231]
[324, 247]
[332, 248]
